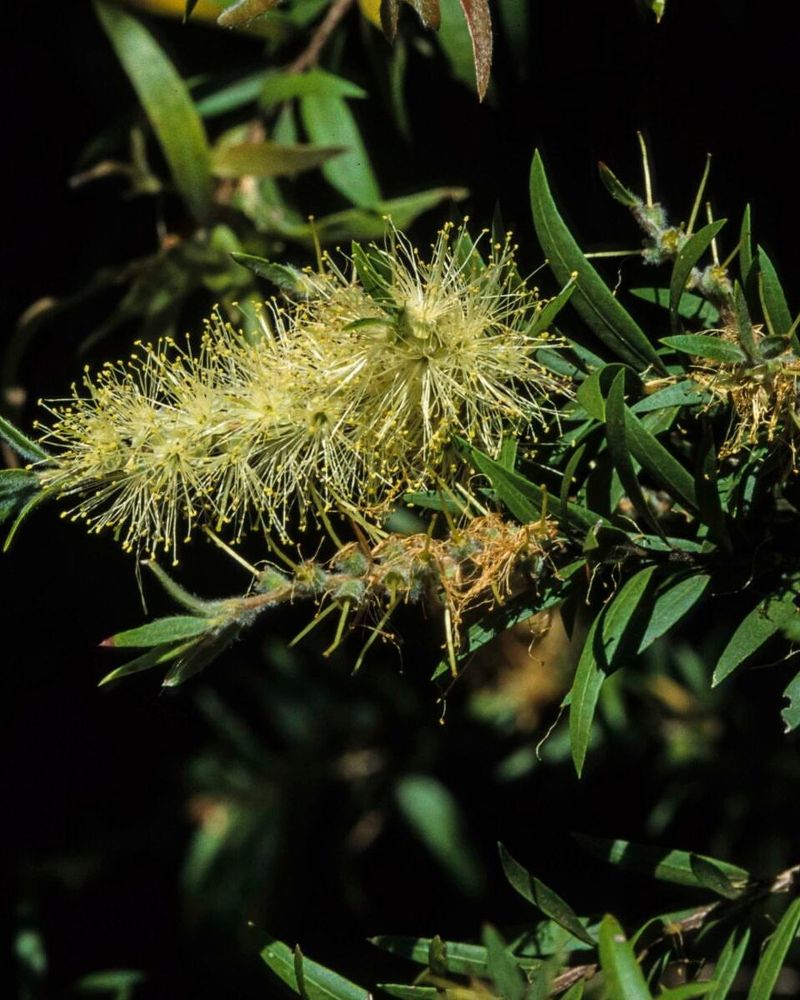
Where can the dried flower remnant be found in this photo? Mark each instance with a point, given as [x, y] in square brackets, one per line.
[351, 397]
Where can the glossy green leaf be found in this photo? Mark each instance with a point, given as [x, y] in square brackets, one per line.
[286, 277]
[706, 346]
[544, 317]
[594, 301]
[773, 298]
[610, 634]
[501, 966]
[22, 512]
[242, 12]
[24, 446]
[329, 122]
[593, 390]
[543, 898]
[269, 159]
[711, 877]
[791, 714]
[685, 393]
[745, 245]
[655, 458]
[201, 654]
[744, 325]
[690, 253]
[165, 98]
[690, 306]
[658, 862]
[320, 983]
[766, 619]
[524, 499]
[622, 973]
[463, 959]
[434, 815]
[774, 955]
[620, 453]
[728, 963]
[687, 991]
[280, 87]
[159, 631]
[674, 598]
[230, 96]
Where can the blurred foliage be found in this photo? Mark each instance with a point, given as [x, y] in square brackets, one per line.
[630, 662]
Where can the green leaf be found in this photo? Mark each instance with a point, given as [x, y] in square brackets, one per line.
[544, 899]
[620, 453]
[687, 991]
[744, 325]
[320, 983]
[623, 974]
[200, 654]
[655, 458]
[684, 393]
[703, 346]
[594, 301]
[17, 489]
[22, 513]
[503, 970]
[231, 96]
[435, 817]
[152, 658]
[329, 122]
[185, 598]
[523, 498]
[710, 876]
[766, 619]
[612, 632]
[774, 954]
[160, 631]
[285, 276]
[165, 98]
[269, 159]
[616, 188]
[592, 391]
[463, 959]
[690, 253]
[728, 963]
[30, 450]
[280, 87]
[745, 246]
[543, 319]
[658, 862]
[403, 992]
[791, 714]
[773, 298]
[674, 598]
[690, 306]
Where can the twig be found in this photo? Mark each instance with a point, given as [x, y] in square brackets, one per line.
[310, 54]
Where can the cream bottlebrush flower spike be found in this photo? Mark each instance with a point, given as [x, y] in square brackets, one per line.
[349, 398]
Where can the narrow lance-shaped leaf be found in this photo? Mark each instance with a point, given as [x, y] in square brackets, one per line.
[503, 970]
[543, 898]
[24, 446]
[155, 657]
[479, 22]
[745, 245]
[159, 631]
[618, 962]
[765, 620]
[664, 864]
[674, 598]
[690, 253]
[320, 983]
[594, 301]
[329, 122]
[620, 453]
[728, 963]
[705, 346]
[610, 633]
[463, 959]
[666, 469]
[774, 955]
[269, 159]
[165, 97]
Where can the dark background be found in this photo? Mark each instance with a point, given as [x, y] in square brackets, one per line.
[94, 781]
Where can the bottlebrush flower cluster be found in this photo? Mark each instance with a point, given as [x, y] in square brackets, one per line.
[351, 397]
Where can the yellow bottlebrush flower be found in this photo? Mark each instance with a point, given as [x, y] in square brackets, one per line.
[349, 398]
